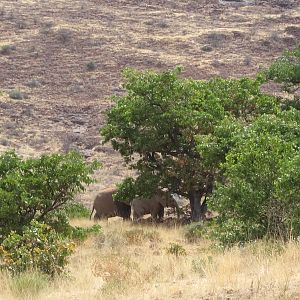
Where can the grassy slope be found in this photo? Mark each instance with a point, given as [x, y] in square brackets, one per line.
[132, 263]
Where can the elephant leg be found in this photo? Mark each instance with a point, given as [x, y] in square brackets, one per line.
[161, 212]
[135, 217]
[96, 217]
[157, 213]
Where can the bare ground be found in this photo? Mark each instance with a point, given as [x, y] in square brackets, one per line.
[64, 99]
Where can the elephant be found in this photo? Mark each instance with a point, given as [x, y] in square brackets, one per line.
[154, 205]
[106, 207]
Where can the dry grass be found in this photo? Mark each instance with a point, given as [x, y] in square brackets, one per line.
[132, 262]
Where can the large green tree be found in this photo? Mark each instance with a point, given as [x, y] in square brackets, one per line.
[175, 132]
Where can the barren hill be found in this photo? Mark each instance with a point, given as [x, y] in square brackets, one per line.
[61, 59]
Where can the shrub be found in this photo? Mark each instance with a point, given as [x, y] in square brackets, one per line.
[215, 39]
[194, 231]
[207, 48]
[64, 35]
[76, 210]
[79, 234]
[16, 94]
[91, 66]
[7, 49]
[176, 249]
[33, 83]
[35, 188]
[286, 69]
[260, 197]
[234, 231]
[39, 248]
[59, 221]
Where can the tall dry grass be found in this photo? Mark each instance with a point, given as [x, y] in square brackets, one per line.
[136, 262]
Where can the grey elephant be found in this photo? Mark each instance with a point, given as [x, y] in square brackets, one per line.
[106, 207]
[154, 205]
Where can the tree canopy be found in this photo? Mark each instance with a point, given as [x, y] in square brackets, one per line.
[176, 131]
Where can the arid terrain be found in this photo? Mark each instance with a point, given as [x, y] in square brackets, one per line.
[62, 59]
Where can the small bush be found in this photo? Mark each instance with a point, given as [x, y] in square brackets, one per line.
[112, 240]
[34, 83]
[176, 249]
[39, 248]
[265, 248]
[91, 66]
[7, 49]
[47, 27]
[64, 35]
[194, 232]
[234, 232]
[79, 234]
[207, 48]
[215, 39]
[16, 94]
[120, 272]
[162, 24]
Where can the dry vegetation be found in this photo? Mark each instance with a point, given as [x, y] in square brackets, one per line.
[131, 262]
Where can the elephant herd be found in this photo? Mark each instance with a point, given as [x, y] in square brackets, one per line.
[106, 207]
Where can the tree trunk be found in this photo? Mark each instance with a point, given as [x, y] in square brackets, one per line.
[195, 202]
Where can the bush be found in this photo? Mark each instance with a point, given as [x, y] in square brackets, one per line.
[16, 95]
[202, 265]
[39, 248]
[64, 35]
[91, 66]
[232, 231]
[75, 210]
[59, 221]
[6, 49]
[36, 188]
[138, 236]
[286, 69]
[194, 231]
[79, 234]
[260, 197]
[176, 249]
